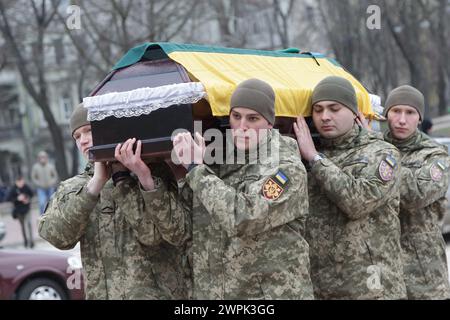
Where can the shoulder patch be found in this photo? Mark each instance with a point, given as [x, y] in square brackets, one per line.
[281, 177]
[391, 161]
[273, 187]
[385, 170]
[437, 171]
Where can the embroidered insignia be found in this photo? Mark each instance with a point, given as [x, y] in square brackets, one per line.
[386, 171]
[272, 189]
[441, 165]
[436, 171]
[281, 178]
[391, 161]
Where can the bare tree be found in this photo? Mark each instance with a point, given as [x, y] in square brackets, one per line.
[110, 28]
[343, 21]
[438, 15]
[226, 13]
[381, 57]
[32, 66]
[420, 31]
[281, 18]
[404, 22]
[411, 46]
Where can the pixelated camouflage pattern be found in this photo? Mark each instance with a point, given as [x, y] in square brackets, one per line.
[353, 228]
[423, 203]
[122, 251]
[244, 245]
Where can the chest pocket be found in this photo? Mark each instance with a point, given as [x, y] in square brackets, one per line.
[415, 166]
[355, 166]
[412, 164]
[107, 205]
[243, 183]
[109, 229]
[108, 209]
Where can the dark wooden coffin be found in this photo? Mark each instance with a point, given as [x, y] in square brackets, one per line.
[155, 129]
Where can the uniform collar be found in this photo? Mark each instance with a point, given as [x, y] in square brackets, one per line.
[344, 141]
[407, 144]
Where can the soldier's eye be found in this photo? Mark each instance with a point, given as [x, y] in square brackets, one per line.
[317, 110]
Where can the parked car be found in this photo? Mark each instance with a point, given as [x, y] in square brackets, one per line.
[445, 224]
[40, 275]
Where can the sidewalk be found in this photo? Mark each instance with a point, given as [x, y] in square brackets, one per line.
[13, 237]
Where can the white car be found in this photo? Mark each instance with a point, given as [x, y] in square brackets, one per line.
[445, 227]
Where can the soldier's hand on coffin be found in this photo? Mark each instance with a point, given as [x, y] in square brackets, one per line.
[102, 173]
[180, 156]
[187, 150]
[132, 160]
[304, 139]
[362, 121]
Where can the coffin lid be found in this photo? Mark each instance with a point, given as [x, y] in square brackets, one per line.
[292, 74]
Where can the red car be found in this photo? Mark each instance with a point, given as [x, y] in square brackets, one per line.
[40, 275]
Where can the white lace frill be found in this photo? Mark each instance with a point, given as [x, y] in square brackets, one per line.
[142, 101]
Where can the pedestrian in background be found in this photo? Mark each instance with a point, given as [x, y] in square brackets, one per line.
[44, 177]
[20, 195]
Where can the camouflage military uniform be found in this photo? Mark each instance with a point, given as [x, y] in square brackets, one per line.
[353, 228]
[248, 222]
[425, 179]
[123, 254]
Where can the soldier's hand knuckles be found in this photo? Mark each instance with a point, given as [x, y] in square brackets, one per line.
[138, 148]
[123, 147]
[198, 137]
[202, 141]
[116, 151]
[185, 139]
[182, 135]
[130, 145]
[189, 138]
[178, 143]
